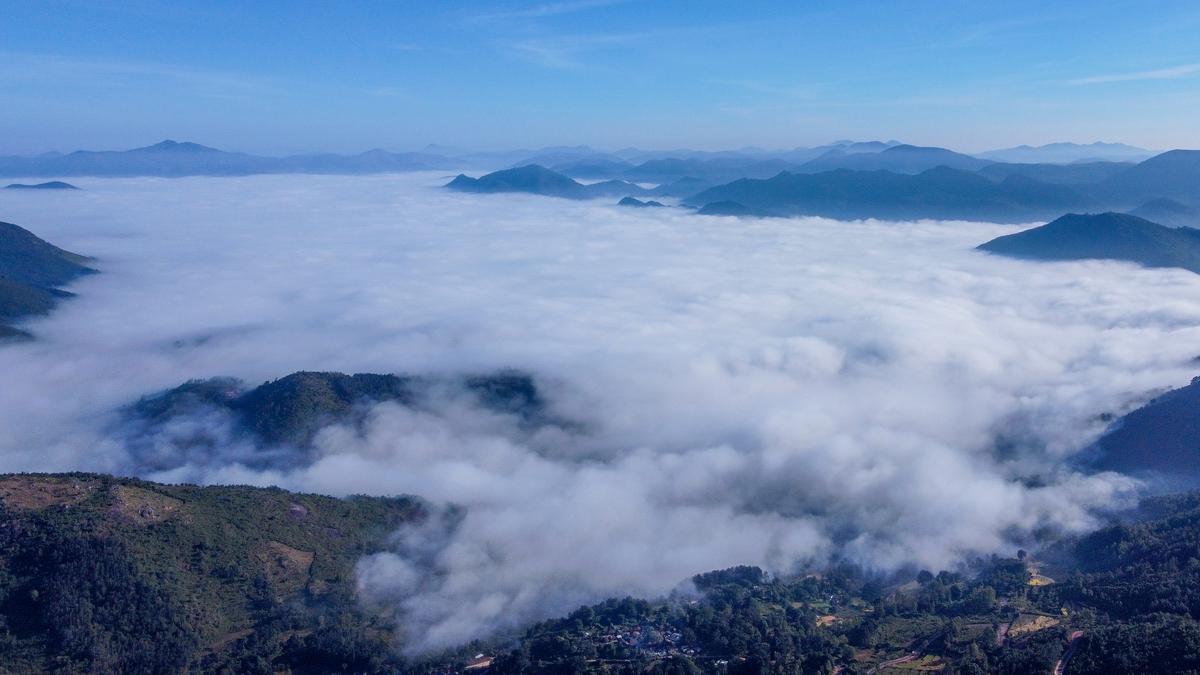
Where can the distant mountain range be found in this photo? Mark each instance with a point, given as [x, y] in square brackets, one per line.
[1105, 236]
[847, 179]
[795, 155]
[31, 272]
[170, 158]
[997, 192]
[1064, 174]
[1069, 153]
[895, 182]
[721, 167]
[936, 193]
[909, 159]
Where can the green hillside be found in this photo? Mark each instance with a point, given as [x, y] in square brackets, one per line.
[1122, 600]
[103, 574]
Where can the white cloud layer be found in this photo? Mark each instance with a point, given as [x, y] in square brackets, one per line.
[772, 392]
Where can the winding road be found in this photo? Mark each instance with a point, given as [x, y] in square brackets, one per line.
[1060, 668]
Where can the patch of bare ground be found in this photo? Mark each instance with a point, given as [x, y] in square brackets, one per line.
[229, 638]
[141, 506]
[286, 568]
[34, 493]
[1027, 624]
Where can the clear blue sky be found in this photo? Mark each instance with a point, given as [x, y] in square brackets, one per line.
[278, 77]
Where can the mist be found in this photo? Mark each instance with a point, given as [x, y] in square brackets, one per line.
[780, 392]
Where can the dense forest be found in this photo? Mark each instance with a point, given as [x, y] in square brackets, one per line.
[100, 574]
[1122, 600]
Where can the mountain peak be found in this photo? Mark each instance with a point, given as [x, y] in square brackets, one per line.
[175, 146]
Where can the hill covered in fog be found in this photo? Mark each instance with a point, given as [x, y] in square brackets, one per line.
[31, 272]
[1106, 236]
[539, 180]
[280, 418]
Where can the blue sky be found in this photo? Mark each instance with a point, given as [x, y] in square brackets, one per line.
[277, 77]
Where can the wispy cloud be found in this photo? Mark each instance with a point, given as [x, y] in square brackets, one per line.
[388, 91]
[1173, 73]
[550, 9]
[545, 55]
[759, 87]
[41, 68]
[31, 70]
[1003, 30]
[565, 51]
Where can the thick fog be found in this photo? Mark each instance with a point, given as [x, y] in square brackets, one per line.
[772, 392]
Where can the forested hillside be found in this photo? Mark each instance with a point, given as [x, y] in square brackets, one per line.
[102, 574]
[1121, 600]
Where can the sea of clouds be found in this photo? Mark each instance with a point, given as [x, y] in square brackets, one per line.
[779, 392]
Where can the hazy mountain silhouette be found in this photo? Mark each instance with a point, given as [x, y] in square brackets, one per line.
[713, 170]
[796, 156]
[1066, 174]
[1174, 174]
[52, 185]
[557, 155]
[594, 167]
[1067, 153]
[937, 193]
[666, 166]
[1107, 236]
[171, 158]
[1168, 212]
[688, 185]
[732, 208]
[999, 192]
[899, 159]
